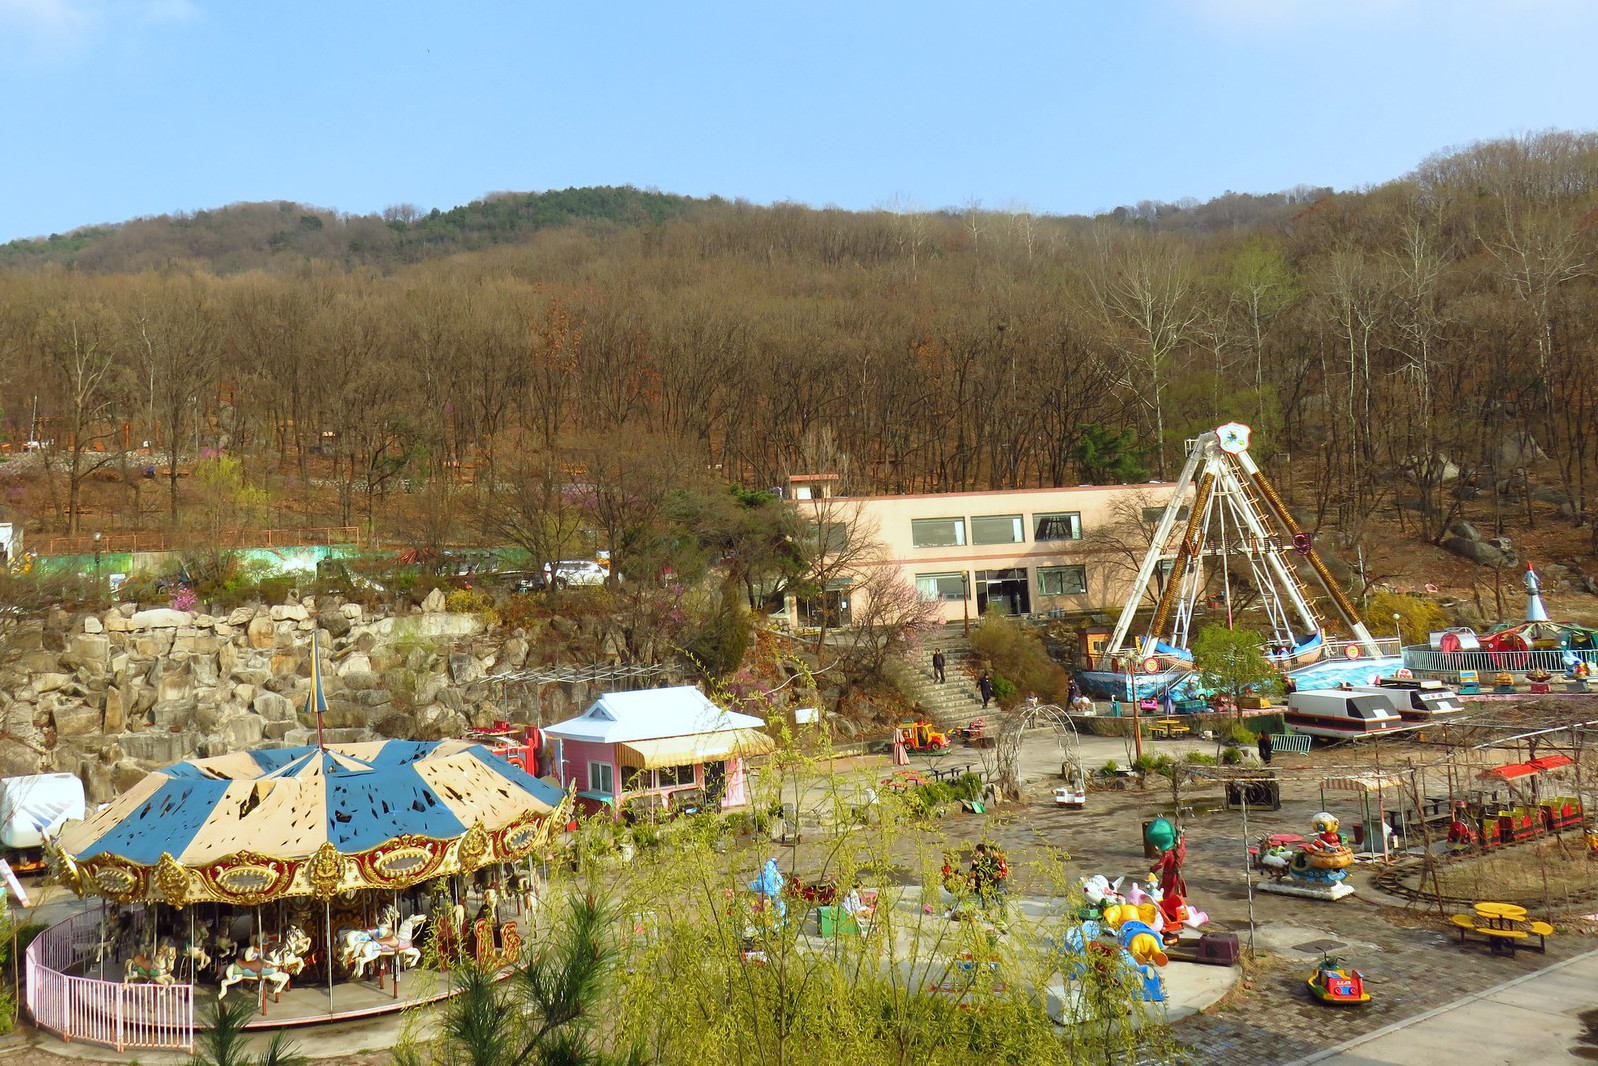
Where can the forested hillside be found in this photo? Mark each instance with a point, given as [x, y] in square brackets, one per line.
[1398, 349]
[281, 235]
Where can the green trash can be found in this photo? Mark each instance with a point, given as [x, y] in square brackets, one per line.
[833, 922]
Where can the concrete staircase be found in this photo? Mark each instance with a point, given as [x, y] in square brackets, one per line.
[955, 702]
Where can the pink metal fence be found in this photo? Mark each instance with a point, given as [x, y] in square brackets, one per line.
[101, 1012]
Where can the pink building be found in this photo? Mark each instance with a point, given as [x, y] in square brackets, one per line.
[656, 750]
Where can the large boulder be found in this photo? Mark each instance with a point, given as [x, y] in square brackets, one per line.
[1477, 551]
[116, 711]
[89, 649]
[261, 632]
[463, 668]
[335, 623]
[161, 618]
[76, 720]
[273, 707]
[241, 732]
[433, 603]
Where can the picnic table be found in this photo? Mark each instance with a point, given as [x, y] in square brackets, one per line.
[1502, 926]
[1169, 727]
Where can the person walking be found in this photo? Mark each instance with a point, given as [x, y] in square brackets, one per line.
[937, 665]
[985, 689]
[1267, 749]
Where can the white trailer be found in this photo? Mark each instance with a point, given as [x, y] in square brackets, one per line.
[34, 807]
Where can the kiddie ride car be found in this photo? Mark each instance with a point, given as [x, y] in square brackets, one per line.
[1332, 982]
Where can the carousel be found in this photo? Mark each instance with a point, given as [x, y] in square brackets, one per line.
[309, 877]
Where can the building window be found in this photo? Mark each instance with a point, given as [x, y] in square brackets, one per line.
[997, 529]
[1062, 525]
[1152, 515]
[1062, 580]
[941, 587]
[600, 779]
[671, 776]
[937, 532]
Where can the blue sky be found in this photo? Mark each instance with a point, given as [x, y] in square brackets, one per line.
[113, 109]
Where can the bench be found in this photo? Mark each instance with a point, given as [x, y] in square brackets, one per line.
[1542, 931]
[1502, 941]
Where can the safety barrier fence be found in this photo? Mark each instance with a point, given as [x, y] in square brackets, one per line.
[111, 1013]
[1487, 663]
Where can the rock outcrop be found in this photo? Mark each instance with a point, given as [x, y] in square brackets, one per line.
[109, 696]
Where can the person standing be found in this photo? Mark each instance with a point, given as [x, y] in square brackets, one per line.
[985, 689]
[1267, 748]
[1073, 692]
[937, 666]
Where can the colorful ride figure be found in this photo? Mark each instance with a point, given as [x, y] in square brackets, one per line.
[1323, 858]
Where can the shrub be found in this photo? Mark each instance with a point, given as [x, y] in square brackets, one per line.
[1018, 659]
[471, 601]
[1110, 769]
[1238, 733]
[1231, 756]
[968, 787]
[1200, 758]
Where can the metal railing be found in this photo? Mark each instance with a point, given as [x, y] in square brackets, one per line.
[101, 1012]
[160, 540]
[1486, 663]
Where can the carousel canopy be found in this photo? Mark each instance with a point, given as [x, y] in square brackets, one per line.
[260, 825]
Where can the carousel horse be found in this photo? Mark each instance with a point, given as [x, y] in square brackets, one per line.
[194, 952]
[362, 947]
[256, 965]
[118, 932]
[291, 949]
[155, 967]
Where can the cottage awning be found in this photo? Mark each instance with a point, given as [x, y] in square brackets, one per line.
[1364, 782]
[693, 748]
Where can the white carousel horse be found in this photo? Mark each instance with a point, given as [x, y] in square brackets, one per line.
[256, 965]
[193, 951]
[362, 947]
[156, 967]
[294, 946]
[223, 950]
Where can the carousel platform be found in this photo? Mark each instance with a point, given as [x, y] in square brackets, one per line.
[311, 1004]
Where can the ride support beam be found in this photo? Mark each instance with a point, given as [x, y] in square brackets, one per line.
[1191, 542]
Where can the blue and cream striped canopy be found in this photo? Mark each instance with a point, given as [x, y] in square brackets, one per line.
[287, 803]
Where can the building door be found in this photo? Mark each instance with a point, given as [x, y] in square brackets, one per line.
[715, 781]
[1007, 590]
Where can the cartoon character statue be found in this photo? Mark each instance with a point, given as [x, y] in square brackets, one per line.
[768, 886]
[1099, 892]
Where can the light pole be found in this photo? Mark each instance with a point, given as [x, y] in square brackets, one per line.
[1398, 628]
[97, 565]
[965, 598]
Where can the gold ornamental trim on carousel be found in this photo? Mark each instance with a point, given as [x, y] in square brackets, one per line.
[326, 871]
[248, 878]
[403, 861]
